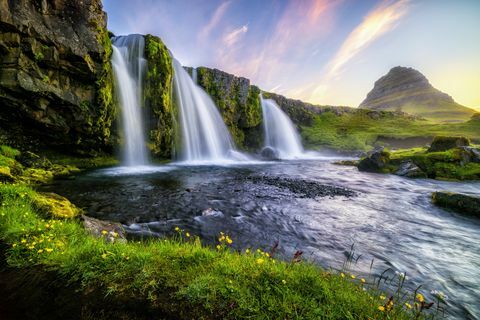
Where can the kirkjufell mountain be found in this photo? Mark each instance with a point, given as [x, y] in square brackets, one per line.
[408, 90]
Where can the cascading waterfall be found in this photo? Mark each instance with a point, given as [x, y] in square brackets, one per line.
[204, 135]
[128, 64]
[280, 133]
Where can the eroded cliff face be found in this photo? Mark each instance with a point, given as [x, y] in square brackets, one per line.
[238, 102]
[55, 75]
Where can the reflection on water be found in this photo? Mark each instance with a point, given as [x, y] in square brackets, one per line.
[391, 219]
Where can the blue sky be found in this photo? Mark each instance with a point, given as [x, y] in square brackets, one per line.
[320, 51]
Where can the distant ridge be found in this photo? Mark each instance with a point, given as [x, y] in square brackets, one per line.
[408, 90]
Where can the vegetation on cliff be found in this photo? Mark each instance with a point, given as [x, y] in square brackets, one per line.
[158, 97]
[238, 102]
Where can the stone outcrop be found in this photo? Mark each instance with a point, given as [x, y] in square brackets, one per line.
[408, 90]
[441, 143]
[238, 103]
[460, 203]
[55, 75]
[375, 161]
[158, 97]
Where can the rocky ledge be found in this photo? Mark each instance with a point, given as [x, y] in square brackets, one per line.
[460, 203]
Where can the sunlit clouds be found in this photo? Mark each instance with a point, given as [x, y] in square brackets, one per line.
[377, 23]
[320, 51]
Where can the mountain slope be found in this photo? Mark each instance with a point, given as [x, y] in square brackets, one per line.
[408, 90]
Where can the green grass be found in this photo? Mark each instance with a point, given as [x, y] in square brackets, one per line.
[182, 278]
[359, 130]
[444, 165]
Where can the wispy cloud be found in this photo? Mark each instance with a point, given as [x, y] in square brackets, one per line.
[381, 20]
[215, 20]
[234, 36]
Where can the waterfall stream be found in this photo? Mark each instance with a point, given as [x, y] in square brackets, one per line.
[280, 132]
[203, 134]
[128, 64]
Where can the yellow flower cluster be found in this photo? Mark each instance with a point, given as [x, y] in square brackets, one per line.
[43, 242]
[225, 238]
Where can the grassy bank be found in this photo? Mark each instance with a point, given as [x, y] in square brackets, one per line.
[172, 278]
[361, 130]
[183, 279]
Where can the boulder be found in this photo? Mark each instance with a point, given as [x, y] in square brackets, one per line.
[375, 161]
[460, 203]
[269, 153]
[110, 231]
[55, 205]
[55, 79]
[469, 154]
[441, 143]
[409, 169]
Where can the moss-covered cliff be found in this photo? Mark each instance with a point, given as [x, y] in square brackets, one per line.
[55, 75]
[238, 102]
[158, 97]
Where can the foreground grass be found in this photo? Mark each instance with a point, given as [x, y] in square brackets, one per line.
[360, 130]
[184, 279]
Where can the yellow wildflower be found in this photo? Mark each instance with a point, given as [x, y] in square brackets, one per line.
[177, 229]
[23, 241]
[115, 234]
[381, 308]
[14, 245]
[260, 261]
[352, 276]
[284, 281]
[104, 256]
[382, 297]
[104, 232]
[219, 247]
[48, 250]
[408, 305]
[40, 251]
[187, 234]
[247, 251]
[267, 255]
[362, 280]
[342, 275]
[420, 297]
[229, 241]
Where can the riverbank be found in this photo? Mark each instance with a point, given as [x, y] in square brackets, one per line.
[178, 277]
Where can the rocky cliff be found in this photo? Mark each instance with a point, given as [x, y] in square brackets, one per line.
[55, 75]
[408, 90]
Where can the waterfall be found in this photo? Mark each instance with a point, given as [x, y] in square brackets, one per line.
[280, 132]
[128, 64]
[203, 134]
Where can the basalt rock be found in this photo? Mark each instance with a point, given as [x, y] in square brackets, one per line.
[238, 103]
[55, 75]
[269, 153]
[440, 143]
[410, 169]
[375, 161]
[461, 203]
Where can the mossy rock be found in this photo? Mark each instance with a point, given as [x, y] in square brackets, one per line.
[158, 97]
[5, 175]
[376, 161]
[441, 143]
[460, 203]
[55, 205]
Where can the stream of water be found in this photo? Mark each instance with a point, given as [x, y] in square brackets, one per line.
[389, 218]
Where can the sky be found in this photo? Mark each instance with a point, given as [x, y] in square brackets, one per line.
[319, 51]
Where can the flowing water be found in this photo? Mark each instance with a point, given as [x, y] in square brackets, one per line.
[128, 64]
[203, 134]
[280, 132]
[390, 219]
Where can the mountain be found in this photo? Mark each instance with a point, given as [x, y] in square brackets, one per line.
[408, 90]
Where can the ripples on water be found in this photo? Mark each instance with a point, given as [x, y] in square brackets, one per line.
[390, 220]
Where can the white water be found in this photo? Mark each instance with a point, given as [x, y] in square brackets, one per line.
[204, 136]
[128, 64]
[280, 132]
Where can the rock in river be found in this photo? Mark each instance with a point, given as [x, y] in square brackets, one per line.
[460, 203]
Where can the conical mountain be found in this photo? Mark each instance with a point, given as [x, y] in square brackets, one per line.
[408, 90]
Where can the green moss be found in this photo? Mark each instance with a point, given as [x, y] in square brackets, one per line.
[444, 165]
[54, 205]
[359, 130]
[238, 103]
[158, 97]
